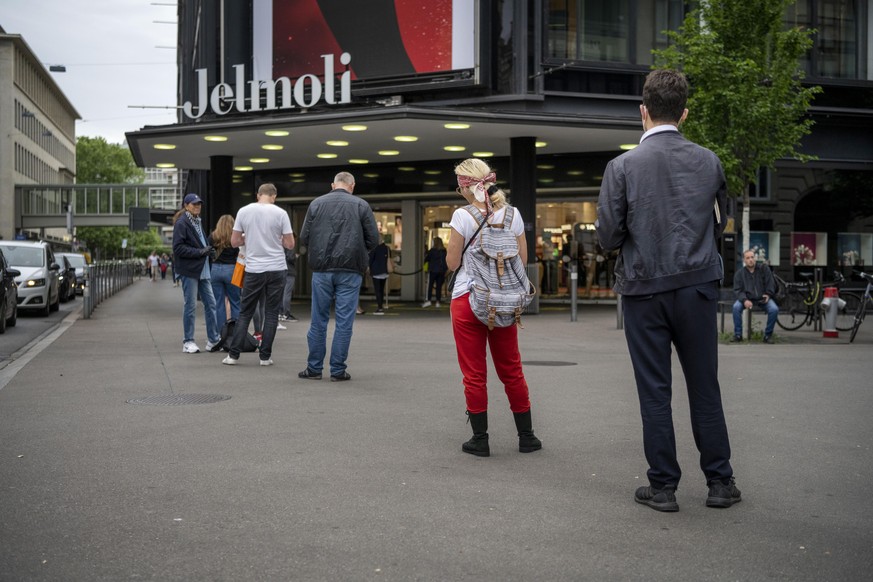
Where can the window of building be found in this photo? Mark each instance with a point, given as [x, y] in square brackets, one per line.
[837, 48]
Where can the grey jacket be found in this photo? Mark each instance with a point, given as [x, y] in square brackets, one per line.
[339, 232]
[656, 206]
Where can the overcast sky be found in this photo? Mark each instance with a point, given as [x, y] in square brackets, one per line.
[109, 49]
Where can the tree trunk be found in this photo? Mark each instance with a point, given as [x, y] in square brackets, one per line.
[745, 227]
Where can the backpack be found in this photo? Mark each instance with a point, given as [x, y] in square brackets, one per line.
[500, 289]
[250, 343]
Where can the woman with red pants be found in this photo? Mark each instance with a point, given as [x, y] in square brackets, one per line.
[476, 184]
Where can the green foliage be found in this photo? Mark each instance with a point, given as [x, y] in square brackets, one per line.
[99, 162]
[106, 241]
[747, 103]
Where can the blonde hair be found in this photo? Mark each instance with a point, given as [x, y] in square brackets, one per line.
[221, 234]
[476, 168]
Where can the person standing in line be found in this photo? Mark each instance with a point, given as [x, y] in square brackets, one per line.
[754, 285]
[265, 229]
[661, 205]
[222, 271]
[379, 260]
[290, 278]
[339, 230]
[436, 271]
[476, 183]
[190, 262]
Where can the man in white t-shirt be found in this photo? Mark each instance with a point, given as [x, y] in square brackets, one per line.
[265, 230]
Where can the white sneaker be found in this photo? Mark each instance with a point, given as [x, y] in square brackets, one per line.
[266, 362]
[210, 346]
[230, 361]
[426, 304]
[190, 348]
[437, 303]
[280, 326]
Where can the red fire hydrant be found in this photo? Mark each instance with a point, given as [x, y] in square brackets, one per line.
[831, 304]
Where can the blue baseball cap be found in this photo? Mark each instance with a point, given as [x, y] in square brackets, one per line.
[192, 199]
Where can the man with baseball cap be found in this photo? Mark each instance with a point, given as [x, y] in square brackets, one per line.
[190, 254]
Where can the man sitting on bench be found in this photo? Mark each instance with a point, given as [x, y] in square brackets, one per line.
[754, 285]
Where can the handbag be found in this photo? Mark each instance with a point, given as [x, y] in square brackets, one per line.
[239, 272]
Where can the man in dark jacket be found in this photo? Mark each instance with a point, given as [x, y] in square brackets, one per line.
[339, 232]
[661, 204]
[754, 285]
[190, 254]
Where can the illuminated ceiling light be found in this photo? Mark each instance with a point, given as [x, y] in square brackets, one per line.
[338, 143]
[483, 154]
[272, 147]
[546, 180]
[389, 153]
[546, 167]
[164, 146]
[259, 160]
[454, 148]
[297, 175]
[432, 172]
[371, 175]
[215, 138]
[276, 132]
[327, 156]
[358, 161]
[575, 172]
[165, 165]
[243, 168]
[457, 126]
[298, 180]
[541, 144]
[405, 169]
[405, 138]
[628, 146]
[354, 128]
[431, 183]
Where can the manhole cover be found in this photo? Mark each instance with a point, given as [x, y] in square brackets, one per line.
[178, 399]
[547, 363]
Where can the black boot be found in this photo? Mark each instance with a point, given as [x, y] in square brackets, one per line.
[478, 445]
[527, 441]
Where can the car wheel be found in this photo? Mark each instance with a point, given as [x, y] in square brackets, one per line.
[3, 320]
[45, 311]
[14, 319]
[57, 304]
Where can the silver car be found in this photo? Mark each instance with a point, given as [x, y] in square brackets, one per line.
[38, 281]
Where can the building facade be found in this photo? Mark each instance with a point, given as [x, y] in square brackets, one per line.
[37, 128]
[292, 91]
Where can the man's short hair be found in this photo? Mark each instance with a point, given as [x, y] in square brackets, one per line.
[665, 94]
[344, 178]
[267, 189]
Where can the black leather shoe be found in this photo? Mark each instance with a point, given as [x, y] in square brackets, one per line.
[341, 377]
[309, 375]
[736, 339]
[768, 339]
[658, 499]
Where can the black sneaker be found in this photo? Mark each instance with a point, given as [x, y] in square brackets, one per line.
[309, 374]
[768, 339]
[721, 495]
[658, 499]
[340, 377]
[736, 339]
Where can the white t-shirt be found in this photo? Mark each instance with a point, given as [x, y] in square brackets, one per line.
[264, 225]
[466, 225]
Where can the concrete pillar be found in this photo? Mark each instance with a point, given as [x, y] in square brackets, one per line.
[523, 185]
[411, 249]
[218, 198]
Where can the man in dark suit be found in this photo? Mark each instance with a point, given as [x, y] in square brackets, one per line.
[661, 205]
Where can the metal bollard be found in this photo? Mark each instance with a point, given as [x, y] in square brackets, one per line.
[574, 289]
[831, 305]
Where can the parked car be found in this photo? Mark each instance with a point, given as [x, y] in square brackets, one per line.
[79, 261]
[66, 278]
[8, 294]
[38, 279]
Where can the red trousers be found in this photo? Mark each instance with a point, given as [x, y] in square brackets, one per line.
[471, 335]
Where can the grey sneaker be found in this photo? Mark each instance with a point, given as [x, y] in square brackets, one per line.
[658, 499]
[723, 495]
[267, 362]
[190, 348]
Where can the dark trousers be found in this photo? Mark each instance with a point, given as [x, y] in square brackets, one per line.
[271, 283]
[685, 318]
[379, 288]
[435, 282]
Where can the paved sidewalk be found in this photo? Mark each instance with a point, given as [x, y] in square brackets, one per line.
[295, 479]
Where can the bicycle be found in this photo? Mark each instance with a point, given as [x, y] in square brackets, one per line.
[800, 303]
[861, 311]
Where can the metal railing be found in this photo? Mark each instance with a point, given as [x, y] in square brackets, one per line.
[103, 280]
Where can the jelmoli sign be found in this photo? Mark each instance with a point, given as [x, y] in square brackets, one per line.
[245, 96]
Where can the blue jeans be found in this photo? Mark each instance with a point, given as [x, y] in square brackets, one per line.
[327, 287]
[770, 307]
[190, 288]
[256, 285]
[221, 288]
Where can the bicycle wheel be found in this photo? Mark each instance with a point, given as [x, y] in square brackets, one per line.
[859, 317]
[846, 315]
[793, 311]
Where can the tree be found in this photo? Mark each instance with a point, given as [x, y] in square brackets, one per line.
[105, 241]
[747, 101]
[99, 162]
